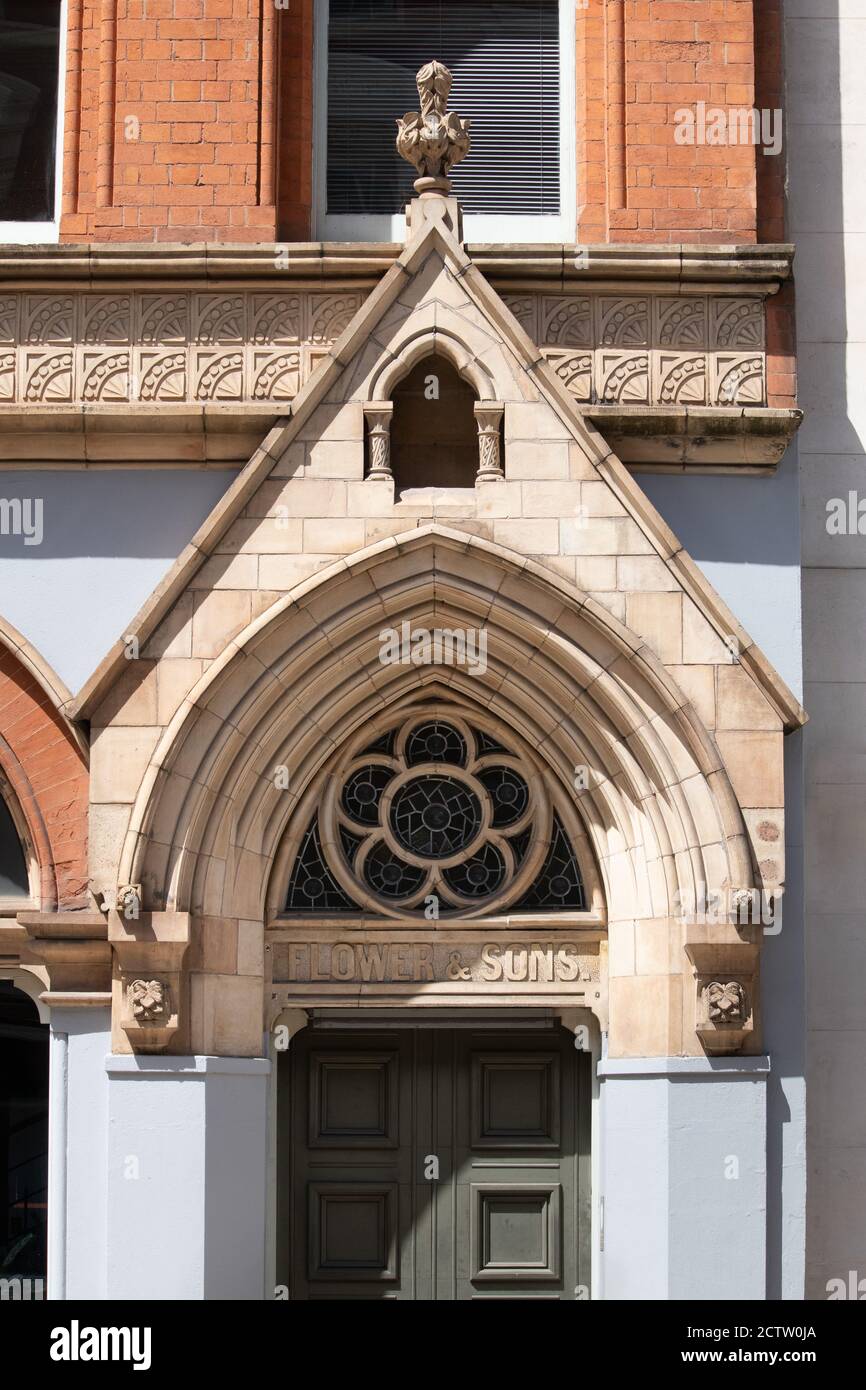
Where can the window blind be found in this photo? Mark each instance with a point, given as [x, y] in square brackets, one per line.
[504, 56]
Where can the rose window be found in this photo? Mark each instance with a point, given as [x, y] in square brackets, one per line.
[435, 810]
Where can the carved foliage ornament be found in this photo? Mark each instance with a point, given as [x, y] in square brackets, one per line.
[726, 1002]
[434, 140]
[148, 1001]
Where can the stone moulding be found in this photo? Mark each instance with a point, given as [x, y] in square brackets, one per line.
[74, 948]
[188, 354]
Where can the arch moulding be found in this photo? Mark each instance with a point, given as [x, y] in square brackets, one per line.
[205, 856]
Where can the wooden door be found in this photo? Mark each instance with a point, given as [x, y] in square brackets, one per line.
[434, 1164]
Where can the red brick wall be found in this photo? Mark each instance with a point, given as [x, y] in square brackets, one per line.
[169, 127]
[49, 778]
[638, 63]
[177, 110]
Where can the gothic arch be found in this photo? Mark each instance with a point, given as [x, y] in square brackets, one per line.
[576, 685]
[430, 342]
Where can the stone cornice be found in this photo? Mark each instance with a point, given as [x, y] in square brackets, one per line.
[762, 267]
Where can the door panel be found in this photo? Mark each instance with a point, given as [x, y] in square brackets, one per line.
[434, 1164]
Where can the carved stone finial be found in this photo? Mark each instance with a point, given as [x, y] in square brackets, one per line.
[435, 140]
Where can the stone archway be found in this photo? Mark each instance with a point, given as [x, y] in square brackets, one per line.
[578, 687]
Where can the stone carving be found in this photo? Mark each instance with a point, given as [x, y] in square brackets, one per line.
[48, 376]
[275, 318]
[738, 323]
[330, 315]
[740, 380]
[105, 376]
[8, 318]
[163, 318]
[523, 307]
[726, 1003]
[682, 378]
[7, 376]
[219, 318]
[219, 376]
[276, 378]
[378, 416]
[624, 322]
[434, 140]
[129, 899]
[623, 378]
[489, 420]
[148, 1001]
[149, 347]
[566, 321]
[681, 322]
[47, 319]
[106, 318]
[574, 370]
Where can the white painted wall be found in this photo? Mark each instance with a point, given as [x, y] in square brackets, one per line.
[109, 535]
[77, 1143]
[684, 1178]
[187, 1164]
[825, 41]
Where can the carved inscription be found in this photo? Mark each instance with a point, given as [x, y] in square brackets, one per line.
[414, 962]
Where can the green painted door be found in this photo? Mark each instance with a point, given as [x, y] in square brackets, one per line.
[432, 1163]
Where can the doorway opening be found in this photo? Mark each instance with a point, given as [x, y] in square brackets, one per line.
[23, 1143]
[433, 1162]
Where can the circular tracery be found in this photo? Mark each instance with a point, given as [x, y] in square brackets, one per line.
[435, 817]
[437, 808]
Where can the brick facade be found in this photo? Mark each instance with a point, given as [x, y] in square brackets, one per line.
[192, 120]
[47, 772]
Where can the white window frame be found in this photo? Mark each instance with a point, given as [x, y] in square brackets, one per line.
[40, 233]
[476, 227]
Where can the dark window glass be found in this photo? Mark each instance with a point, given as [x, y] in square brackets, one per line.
[14, 880]
[29, 76]
[23, 1138]
[504, 56]
[433, 816]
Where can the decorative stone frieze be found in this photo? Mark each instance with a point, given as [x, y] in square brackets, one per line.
[166, 346]
[653, 348]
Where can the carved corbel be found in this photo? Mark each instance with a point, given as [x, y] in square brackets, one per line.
[149, 983]
[378, 415]
[488, 417]
[726, 995]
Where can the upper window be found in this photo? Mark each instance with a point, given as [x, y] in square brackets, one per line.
[513, 69]
[30, 38]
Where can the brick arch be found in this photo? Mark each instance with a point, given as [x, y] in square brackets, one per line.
[43, 759]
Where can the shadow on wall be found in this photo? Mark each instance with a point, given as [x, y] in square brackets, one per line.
[827, 211]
